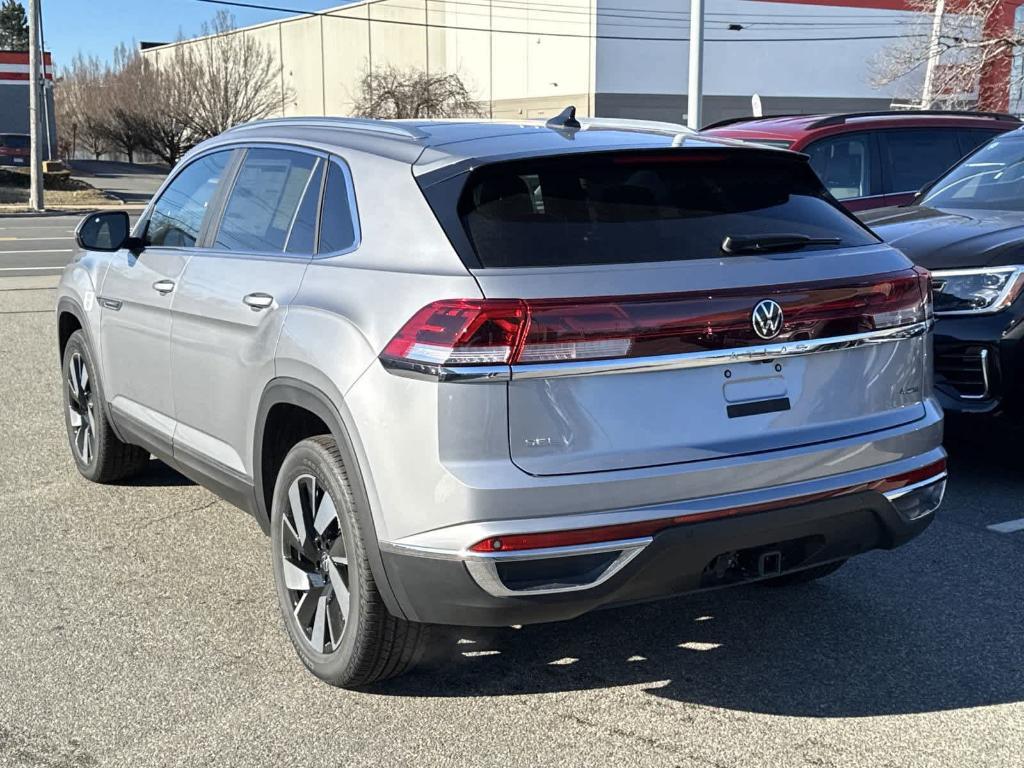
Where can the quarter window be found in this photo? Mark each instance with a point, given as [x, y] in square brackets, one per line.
[843, 163]
[178, 215]
[337, 221]
[272, 205]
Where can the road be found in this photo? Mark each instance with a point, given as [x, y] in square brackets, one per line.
[132, 184]
[36, 245]
[140, 628]
[42, 245]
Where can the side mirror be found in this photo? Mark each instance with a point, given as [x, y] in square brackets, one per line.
[106, 231]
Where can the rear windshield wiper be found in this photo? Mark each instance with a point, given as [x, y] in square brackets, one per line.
[770, 243]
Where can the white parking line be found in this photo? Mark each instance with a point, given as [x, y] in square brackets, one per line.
[1010, 526]
[30, 269]
[24, 239]
[41, 250]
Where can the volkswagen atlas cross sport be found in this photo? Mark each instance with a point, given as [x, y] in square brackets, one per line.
[493, 373]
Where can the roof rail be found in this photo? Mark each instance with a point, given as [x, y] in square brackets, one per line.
[386, 127]
[840, 119]
[625, 124]
[748, 119]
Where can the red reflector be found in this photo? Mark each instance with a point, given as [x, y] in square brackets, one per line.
[622, 532]
[467, 332]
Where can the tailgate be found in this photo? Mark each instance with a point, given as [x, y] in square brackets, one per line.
[698, 382]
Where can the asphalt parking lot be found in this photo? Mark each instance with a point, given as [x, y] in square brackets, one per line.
[139, 627]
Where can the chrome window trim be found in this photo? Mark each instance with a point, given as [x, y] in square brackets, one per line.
[687, 360]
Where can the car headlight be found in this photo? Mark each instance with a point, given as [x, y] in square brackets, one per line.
[975, 291]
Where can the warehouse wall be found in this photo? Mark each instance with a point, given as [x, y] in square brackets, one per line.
[513, 73]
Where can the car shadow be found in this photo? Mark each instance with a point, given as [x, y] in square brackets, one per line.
[933, 626]
[157, 475]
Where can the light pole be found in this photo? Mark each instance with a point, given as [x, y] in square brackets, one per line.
[694, 91]
[928, 92]
[35, 200]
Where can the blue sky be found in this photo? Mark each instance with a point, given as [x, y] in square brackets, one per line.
[95, 27]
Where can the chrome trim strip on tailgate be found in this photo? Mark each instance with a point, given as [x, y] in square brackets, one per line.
[491, 373]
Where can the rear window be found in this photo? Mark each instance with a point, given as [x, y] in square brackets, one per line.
[14, 141]
[623, 208]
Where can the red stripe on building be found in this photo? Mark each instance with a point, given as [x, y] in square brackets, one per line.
[21, 57]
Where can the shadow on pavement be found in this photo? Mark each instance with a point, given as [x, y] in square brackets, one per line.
[931, 627]
[157, 475]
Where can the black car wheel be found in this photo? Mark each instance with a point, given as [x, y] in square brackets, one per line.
[333, 613]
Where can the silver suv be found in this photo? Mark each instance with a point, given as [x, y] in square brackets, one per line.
[493, 373]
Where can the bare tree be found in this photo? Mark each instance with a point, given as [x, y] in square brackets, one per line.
[168, 129]
[392, 93]
[126, 93]
[968, 46]
[81, 106]
[234, 78]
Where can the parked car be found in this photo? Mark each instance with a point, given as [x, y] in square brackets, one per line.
[968, 227]
[486, 373]
[14, 149]
[874, 159]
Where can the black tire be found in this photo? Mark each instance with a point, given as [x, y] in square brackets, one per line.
[372, 644]
[805, 576]
[99, 455]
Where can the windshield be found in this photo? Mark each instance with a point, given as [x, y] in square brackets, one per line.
[14, 141]
[616, 208]
[991, 178]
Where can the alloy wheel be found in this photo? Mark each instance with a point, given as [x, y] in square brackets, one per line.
[81, 409]
[315, 563]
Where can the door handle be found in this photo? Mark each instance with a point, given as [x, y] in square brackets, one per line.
[163, 286]
[258, 301]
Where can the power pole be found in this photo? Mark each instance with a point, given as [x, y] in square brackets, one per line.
[695, 90]
[36, 192]
[928, 91]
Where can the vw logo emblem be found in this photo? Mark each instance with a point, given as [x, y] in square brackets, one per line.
[767, 319]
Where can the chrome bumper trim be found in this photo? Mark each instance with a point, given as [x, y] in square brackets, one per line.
[721, 356]
[483, 374]
[901, 492]
[483, 567]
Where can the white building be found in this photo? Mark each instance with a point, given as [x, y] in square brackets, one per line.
[530, 58]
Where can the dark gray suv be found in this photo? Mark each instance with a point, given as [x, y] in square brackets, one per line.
[491, 373]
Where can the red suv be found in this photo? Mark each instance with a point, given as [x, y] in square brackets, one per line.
[873, 159]
[14, 149]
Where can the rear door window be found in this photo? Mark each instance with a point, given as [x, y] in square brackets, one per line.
[913, 157]
[265, 210]
[846, 165]
[635, 207]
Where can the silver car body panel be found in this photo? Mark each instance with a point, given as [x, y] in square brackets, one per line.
[443, 461]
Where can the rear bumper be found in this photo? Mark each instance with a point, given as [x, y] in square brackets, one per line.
[436, 581]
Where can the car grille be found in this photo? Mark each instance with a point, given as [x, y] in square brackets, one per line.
[966, 370]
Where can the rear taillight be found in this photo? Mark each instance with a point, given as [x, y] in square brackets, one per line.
[488, 332]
